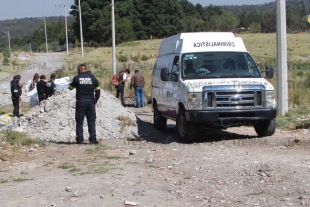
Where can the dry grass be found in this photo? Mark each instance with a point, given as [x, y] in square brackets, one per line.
[12, 145]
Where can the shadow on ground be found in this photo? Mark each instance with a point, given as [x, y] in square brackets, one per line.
[148, 132]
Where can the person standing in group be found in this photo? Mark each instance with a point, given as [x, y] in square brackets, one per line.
[50, 85]
[34, 82]
[85, 85]
[120, 88]
[137, 82]
[16, 91]
[41, 88]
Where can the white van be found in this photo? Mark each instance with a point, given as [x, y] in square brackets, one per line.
[209, 80]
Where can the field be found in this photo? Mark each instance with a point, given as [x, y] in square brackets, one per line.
[261, 46]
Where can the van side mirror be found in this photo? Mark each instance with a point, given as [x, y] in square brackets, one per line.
[175, 76]
[269, 72]
[164, 74]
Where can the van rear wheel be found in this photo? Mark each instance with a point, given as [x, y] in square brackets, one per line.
[185, 130]
[266, 128]
[159, 121]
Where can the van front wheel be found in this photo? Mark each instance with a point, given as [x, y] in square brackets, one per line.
[266, 128]
[186, 132]
[159, 121]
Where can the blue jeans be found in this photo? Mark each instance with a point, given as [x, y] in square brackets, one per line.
[139, 93]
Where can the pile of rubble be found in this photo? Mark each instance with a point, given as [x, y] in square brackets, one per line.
[54, 119]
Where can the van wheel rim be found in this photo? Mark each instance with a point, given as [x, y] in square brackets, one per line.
[182, 126]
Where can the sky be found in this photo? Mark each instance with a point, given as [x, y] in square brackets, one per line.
[37, 8]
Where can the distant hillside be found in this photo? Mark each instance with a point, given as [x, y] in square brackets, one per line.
[25, 26]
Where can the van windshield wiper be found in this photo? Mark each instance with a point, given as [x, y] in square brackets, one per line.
[240, 76]
[207, 75]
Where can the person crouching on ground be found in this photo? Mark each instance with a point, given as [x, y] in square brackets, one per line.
[50, 86]
[85, 85]
[16, 91]
[41, 88]
[137, 82]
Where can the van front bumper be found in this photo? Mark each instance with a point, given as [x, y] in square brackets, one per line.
[231, 115]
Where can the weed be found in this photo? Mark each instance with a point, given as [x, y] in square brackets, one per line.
[74, 170]
[123, 58]
[144, 58]
[20, 180]
[135, 58]
[23, 173]
[65, 166]
[3, 181]
[97, 149]
[112, 157]
[18, 139]
[48, 164]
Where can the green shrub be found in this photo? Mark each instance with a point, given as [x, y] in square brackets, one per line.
[300, 73]
[144, 58]
[136, 58]
[5, 61]
[123, 58]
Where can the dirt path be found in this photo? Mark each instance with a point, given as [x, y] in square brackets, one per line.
[43, 64]
[241, 170]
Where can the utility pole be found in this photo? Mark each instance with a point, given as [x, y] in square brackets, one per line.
[8, 34]
[66, 29]
[282, 82]
[81, 29]
[113, 40]
[29, 48]
[45, 36]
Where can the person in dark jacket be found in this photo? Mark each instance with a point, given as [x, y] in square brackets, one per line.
[16, 91]
[41, 88]
[85, 85]
[137, 82]
[50, 86]
[120, 88]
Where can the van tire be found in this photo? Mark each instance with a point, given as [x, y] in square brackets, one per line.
[186, 132]
[159, 121]
[266, 128]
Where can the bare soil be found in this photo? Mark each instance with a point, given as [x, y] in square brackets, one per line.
[226, 168]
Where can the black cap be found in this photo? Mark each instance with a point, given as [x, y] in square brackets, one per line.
[16, 77]
[53, 75]
[42, 77]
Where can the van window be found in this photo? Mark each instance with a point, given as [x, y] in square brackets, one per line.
[175, 66]
[219, 65]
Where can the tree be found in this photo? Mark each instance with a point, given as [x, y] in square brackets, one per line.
[228, 22]
[255, 27]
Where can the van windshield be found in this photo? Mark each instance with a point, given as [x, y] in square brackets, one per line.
[219, 65]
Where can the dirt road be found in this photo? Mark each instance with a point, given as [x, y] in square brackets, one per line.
[226, 168]
[43, 64]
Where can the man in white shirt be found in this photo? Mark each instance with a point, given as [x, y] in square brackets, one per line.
[121, 86]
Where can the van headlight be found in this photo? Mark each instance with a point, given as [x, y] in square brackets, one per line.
[270, 100]
[194, 101]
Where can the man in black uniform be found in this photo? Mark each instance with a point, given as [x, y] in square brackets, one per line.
[120, 88]
[85, 84]
[16, 91]
[41, 88]
[50, 86]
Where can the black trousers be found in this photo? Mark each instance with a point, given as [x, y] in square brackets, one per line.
[16, 107]
[41, 98]
[120, 91]
[85, 107]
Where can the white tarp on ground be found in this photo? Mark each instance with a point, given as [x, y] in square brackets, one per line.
[60, 83]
